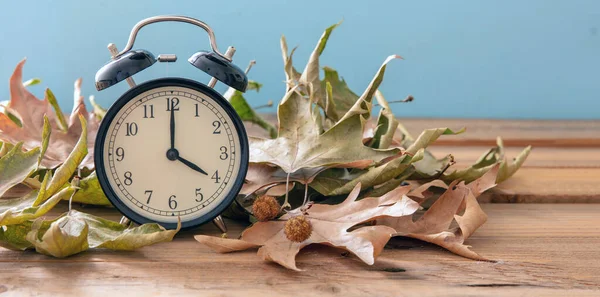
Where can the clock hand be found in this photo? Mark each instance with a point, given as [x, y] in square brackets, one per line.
[172, 128]
[191, 165]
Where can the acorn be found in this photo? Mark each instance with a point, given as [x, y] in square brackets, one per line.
[297, 229]
[265, 208]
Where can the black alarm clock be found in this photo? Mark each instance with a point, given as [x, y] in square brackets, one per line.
[172, 148]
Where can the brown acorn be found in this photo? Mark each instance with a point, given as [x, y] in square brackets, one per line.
[297, 229]
[265, 208]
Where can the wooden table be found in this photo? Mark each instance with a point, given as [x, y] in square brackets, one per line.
[543, 227]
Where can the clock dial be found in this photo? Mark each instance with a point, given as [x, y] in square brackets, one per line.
[172, 152]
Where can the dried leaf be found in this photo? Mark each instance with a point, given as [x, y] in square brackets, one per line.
[435, 224]
[386, 125]
[75, 232]
[330, 225]
[16, 166]
[18, 210]
[341, 96]
[292, 76]
[30, 112]
[299, 144]
[90, 192]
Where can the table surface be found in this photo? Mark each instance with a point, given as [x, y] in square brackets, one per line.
[543, 228]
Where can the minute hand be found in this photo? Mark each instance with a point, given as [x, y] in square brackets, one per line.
[191, 165]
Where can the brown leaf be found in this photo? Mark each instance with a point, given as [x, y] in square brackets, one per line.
[30, 111]
[435, 224]
[330, 225]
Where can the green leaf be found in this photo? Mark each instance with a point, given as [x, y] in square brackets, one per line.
[507, 169]
[372, 177]
[90, 192]
[60, 116]
[341, 95]
[66, 236]
[386, 125]
[99, 111]
[70, 165]
[32, 82]
[428, 136]
[245, 111]
[16, 166]
[75, 232]
[364, 103]
[18, 210]
[14, 236]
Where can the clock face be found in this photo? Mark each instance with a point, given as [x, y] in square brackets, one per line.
[171, 150]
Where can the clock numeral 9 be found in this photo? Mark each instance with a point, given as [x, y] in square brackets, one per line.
[131, 129]
[148, 111]
[173, 103]
[199, 193]
[217, 126]
[224, 155]
[128, 181]
[216, 177]
[172, 202]
[120, 154]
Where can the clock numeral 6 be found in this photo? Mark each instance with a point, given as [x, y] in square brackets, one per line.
[149, 193]
[216, 177]
[120, 154]
[217, 126]
[172, 202]
[131, 129]
[173, 103]
[224, 155]
[199, 193]
[128, 181]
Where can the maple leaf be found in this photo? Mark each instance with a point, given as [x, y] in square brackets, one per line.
[30, 112]
[459, 204]
[330, 225]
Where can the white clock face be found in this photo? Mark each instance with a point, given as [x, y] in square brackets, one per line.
[161, 180]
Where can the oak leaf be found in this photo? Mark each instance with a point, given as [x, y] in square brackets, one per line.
[30, 112]
[330, 225]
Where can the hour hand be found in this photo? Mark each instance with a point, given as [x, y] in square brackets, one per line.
[191, 165]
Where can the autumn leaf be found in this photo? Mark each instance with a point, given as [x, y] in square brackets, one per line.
[330, 225]
[18, 210]
[16, 166]
[434, 225]
[30, 112]
[89, 191]
[76, 232]
[263, 176]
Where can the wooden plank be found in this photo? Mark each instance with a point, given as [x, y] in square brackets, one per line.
[542, 250]
[483, 132]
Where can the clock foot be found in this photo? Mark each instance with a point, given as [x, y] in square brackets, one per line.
[218, 221]
[125, 221]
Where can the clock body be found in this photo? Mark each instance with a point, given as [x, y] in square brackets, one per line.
[150, 177]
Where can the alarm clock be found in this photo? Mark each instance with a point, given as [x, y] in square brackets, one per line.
[171, 149]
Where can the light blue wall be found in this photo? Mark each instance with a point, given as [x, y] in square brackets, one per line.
[500, 59]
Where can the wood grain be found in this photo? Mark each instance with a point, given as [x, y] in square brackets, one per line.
[545, 249]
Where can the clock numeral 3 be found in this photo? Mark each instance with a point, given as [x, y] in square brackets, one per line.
[216, 177]
[173, 103]
[224, 155]
[149, 193]
[131, 129]
[120, 154]
[128, 181]
[217, 126]
[172, 202]
[148, 111]
[199, 193]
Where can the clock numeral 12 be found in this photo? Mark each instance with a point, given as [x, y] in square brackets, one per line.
[172, 202]
[173, 103]
[131, 129]
[148, 110]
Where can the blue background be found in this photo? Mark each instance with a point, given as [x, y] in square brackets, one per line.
[494, 59]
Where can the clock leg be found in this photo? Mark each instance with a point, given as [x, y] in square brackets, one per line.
[218, 221]
[125, 221]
